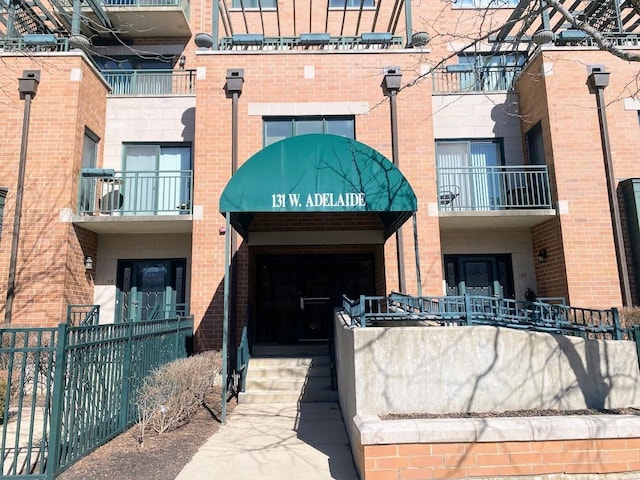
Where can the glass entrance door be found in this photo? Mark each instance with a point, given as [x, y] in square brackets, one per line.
[296, 294]
[487, 275]
[150, 289]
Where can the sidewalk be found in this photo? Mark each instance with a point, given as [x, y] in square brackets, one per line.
[278, 441]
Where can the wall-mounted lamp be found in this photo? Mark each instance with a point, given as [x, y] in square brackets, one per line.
[182, 61]
[542, 255]
[88, 264]
[222, 230]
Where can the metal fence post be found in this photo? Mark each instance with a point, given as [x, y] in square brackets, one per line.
[469, 310]
[636, 336]
[126, 376]
[617, 331]
[55, 436]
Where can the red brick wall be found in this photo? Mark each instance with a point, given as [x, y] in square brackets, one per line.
[279, 78]
[50, 269]
[581, 242]
[504, 459]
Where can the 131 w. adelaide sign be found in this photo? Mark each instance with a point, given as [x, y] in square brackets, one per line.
[295, 201]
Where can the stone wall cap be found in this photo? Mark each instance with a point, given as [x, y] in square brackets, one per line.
[374, 431]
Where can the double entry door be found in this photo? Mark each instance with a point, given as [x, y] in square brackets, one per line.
[296, 294]
[484, 275]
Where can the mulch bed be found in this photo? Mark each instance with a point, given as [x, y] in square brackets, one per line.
[161, 458]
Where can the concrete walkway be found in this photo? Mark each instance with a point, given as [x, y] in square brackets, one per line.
[276, 441]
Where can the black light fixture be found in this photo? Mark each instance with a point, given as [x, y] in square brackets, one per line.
[597, 81]
[88, 264]
[182, 61]
[27, 87]
[542, 255]
[391, 83]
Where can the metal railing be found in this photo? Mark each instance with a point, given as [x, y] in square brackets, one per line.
[493, 188]
[151, 82]
[71, 389]
[35, 43]
[242, 361]
[467, 78]
[346, 42]
[479, 310]
[83, 315]
[153, 192]
[134, 306]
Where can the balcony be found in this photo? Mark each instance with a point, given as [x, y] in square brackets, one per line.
[111, 201]
[151, 82]
[468, 79]
[493, 196]
[146, 18]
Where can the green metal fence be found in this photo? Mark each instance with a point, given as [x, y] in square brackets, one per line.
[71, 389]
[459, 310]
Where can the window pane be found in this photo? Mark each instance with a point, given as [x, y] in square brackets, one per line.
[341, 126]
[253, 4]
[350, 3]
[275, 130]
[486, 3]
[535, 146]
[89, 152]
[141, 158]
[305, 126]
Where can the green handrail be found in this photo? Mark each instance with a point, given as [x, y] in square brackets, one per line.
[480, 310]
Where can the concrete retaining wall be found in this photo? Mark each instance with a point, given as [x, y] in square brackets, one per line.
[384, 370]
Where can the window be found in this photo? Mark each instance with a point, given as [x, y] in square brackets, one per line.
[87, 194]
[535, 145]
[279, 128]
[156, 179]
[485, 3]
[351, 4]
[489, 72]
[90, 149]
[253, 4]
[469, 174]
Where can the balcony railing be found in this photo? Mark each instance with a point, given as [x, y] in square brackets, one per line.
[151, 82]
[35, 43]
[493, 188]
[467, 78]
[142, 3]
[110, 192]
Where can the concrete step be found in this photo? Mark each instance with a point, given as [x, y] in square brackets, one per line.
[271, 384]
[288, 396]
[257, 362]
[301, 349]
[288, 372]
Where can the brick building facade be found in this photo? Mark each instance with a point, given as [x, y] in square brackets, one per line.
[130, 149]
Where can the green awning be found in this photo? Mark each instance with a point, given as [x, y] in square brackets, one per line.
[318, 173]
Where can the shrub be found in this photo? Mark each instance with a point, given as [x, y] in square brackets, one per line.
[172, 394]
[629, 316]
